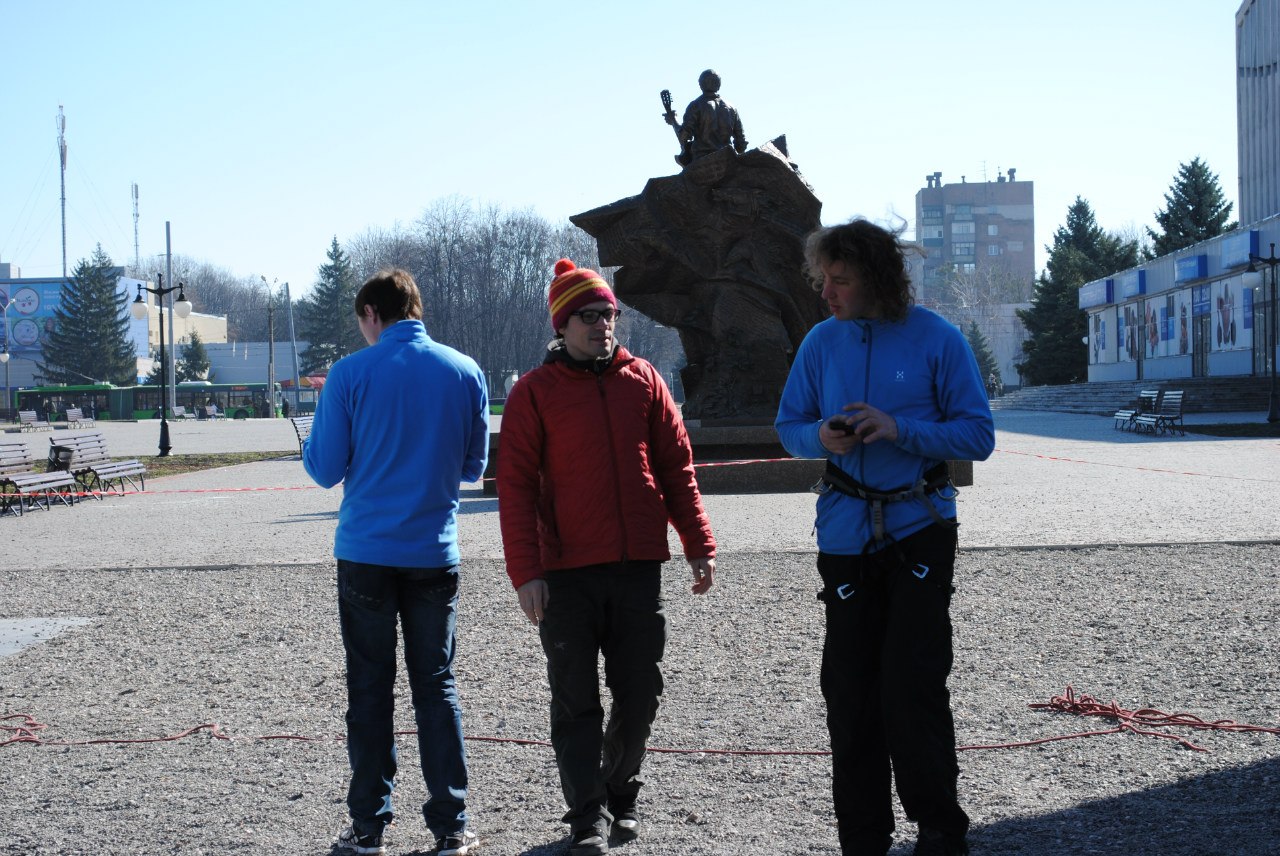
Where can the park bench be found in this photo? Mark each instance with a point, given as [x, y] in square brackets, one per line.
[1167, 418]
[22, 487]
[29, 421]
[77, 419]
[85, 457]
[1147, 402]
[180, 412]
[211, 411]
[302, 425]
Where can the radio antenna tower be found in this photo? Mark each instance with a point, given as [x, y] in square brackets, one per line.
[136, 267]
[62, 158]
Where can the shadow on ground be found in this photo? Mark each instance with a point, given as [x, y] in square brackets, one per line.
[1231, 812]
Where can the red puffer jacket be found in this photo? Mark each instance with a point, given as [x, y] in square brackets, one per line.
[591, 467]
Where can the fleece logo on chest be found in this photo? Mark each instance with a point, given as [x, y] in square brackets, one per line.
[900, 375]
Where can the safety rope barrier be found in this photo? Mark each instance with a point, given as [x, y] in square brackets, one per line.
[29, 730]
[705, 464]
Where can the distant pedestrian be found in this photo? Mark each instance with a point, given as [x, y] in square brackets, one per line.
[595, 461]
[887, 392]
[397, 549]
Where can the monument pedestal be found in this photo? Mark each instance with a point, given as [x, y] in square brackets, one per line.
[741, 458]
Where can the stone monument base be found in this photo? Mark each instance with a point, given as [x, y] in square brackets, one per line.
[741, 458]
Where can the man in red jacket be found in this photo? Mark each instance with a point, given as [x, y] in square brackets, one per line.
[594, 462]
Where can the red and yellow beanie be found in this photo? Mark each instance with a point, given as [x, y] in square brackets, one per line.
[572, 288]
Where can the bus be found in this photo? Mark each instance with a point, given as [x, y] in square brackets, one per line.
[104, 401]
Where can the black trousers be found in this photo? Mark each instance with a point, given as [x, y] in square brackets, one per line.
[885, 664]
[614, 610]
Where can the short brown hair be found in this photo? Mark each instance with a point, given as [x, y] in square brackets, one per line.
[393, 295]
[876, 254]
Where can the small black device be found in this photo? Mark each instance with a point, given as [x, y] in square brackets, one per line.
[840, 425]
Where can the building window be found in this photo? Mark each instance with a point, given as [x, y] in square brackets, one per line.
[959, 229]
[993, 249]
[962, 249]
[993, 230]
[931, 212]
[931, 232]
[1014, 246]
[968, 268]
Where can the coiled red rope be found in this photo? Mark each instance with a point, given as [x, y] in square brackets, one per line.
[28, 730]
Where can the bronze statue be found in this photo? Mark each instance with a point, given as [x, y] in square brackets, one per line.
[717, 253]
[710, 123]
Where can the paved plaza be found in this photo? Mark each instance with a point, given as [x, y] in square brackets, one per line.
[1142, 567]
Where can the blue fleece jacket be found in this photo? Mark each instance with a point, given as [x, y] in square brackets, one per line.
[921, 372]
[400, 423]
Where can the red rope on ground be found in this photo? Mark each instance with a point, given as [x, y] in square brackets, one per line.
[1083, 705]
[1132, 467]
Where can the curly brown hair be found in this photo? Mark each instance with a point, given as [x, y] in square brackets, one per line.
[876, 254]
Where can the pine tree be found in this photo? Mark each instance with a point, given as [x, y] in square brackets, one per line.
[1081, 252]
[194, 364]
[90, 339]
[327, 317]
[987, 364]
[159, 365]
[1195, 209]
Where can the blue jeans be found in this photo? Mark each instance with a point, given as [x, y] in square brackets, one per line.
[370, 597]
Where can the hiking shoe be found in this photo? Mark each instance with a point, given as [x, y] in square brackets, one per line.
[933, 842]
[349, 842]
[588, 842]
[626, 824]
[459, 844]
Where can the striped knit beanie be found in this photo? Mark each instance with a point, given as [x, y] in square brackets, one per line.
[572, 288]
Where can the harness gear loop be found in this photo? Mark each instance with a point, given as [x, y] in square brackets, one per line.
[934, 480]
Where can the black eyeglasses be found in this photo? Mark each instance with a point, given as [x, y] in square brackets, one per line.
[591, 316]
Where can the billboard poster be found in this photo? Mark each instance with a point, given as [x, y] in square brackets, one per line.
[1129, 327]
[29, 316]
[1229, 332]
[1182, 322]
[1101, 349]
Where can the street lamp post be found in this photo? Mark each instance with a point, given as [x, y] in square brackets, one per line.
[1252, 279]
[4, 357]
[140, 311]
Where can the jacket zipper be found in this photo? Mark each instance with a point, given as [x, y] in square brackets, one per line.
[613, 462]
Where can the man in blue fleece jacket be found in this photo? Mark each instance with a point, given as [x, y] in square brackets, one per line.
[401, 424]
[887, 392]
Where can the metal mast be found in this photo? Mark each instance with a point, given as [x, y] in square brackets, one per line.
[135, 228]
[62, 157]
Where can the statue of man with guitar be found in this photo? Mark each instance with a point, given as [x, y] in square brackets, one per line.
[710, 123]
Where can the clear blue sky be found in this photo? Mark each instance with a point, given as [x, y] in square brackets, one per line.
[262, 129]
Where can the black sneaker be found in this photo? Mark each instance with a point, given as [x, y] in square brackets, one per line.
[588, 842]
[626, 824]
[368, 845]
[460, 844]
[934, 842]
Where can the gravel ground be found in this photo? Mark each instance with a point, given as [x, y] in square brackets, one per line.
[219, 607]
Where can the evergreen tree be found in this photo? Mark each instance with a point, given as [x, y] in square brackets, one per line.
[327, 317]
[1195, 209]
[987, 364]
[90, 338]
[155, 378]
[1081, 252]
[194, 364]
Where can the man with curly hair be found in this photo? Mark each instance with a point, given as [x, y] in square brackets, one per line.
[887, 392]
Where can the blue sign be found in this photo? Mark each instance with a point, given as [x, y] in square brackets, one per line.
[1191, 267]
[1096, 293]
[1132, 284]
[1235, 249]
[1247, 303]
[1200, 301]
